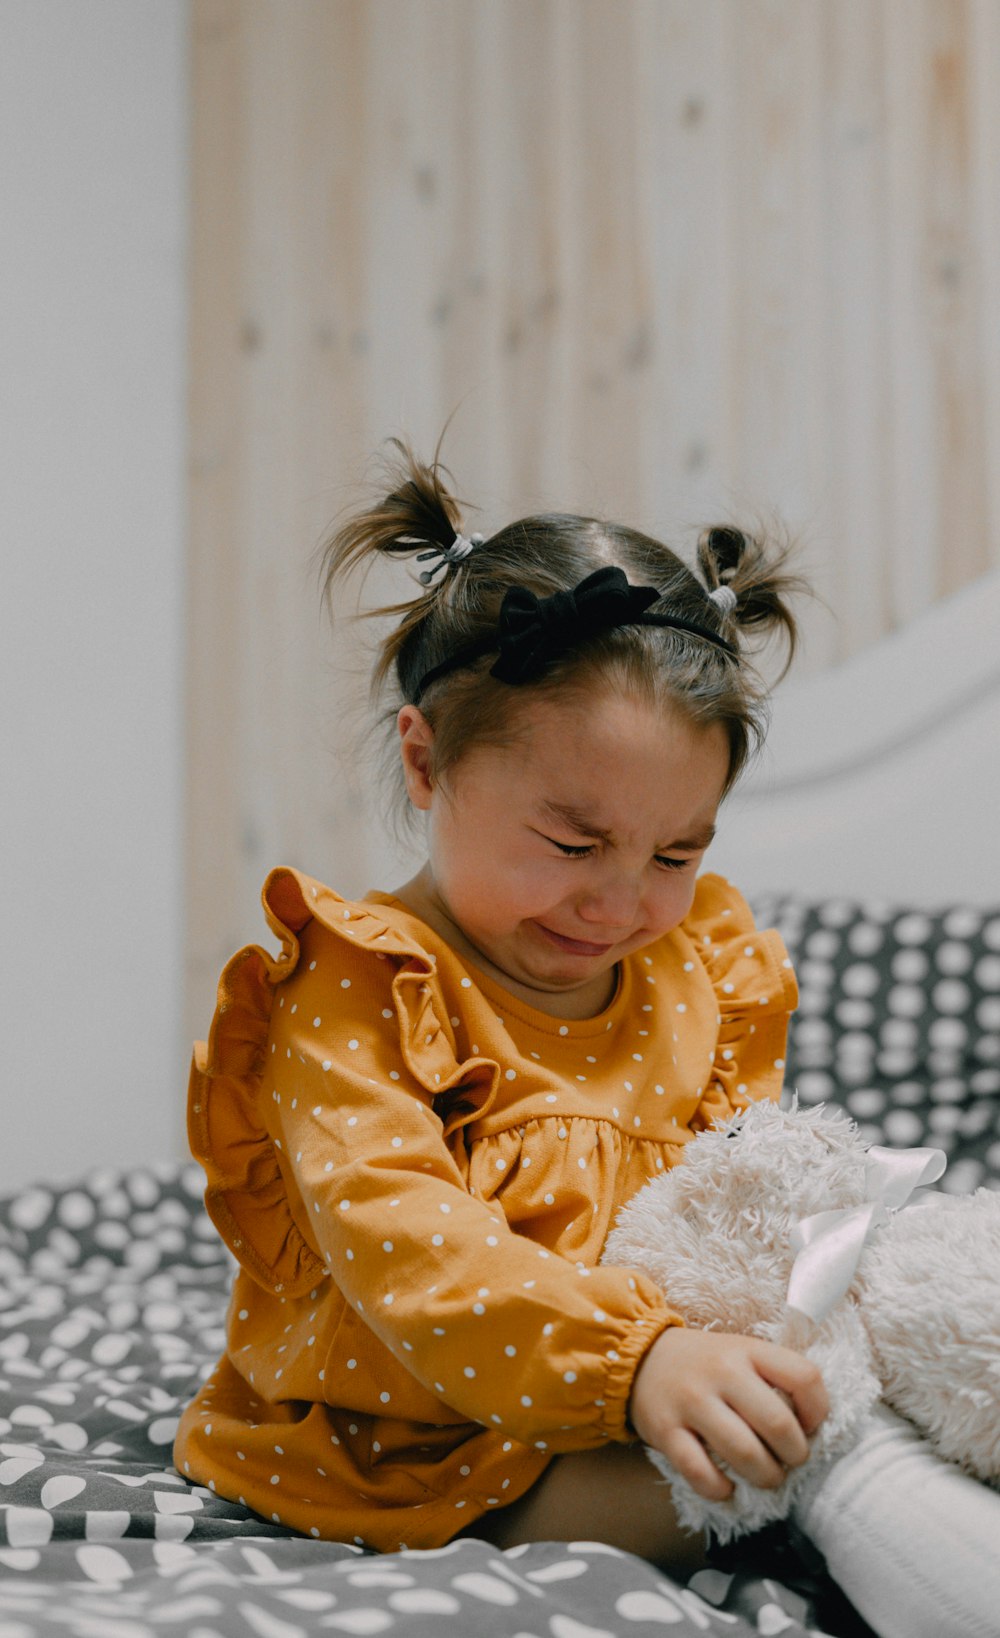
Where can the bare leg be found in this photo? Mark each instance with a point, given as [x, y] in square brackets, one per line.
[613, 1495]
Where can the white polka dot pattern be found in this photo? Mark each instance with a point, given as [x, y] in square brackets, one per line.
[510, 1134]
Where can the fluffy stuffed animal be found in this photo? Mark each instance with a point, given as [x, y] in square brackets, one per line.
[780, 1224]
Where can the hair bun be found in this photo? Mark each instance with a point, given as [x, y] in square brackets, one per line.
[752, 570]
[720, 551]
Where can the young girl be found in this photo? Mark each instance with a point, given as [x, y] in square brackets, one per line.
[419, 1119]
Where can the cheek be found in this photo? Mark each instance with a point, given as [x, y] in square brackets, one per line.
[535, 886]
[521, 888]
[674, 898]
[491, 879]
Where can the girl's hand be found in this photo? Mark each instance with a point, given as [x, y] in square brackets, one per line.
[749, 1403]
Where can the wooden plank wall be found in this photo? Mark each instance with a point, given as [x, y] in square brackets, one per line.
[672, 260]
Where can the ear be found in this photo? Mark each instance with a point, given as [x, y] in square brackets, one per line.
[416, 736]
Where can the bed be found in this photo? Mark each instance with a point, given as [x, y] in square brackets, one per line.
[113, 1288]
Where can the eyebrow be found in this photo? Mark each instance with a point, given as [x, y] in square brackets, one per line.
[583, 825]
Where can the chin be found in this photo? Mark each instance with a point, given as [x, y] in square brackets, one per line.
[573, 972]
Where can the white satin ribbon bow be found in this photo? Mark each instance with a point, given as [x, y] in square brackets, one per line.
[829, 1245]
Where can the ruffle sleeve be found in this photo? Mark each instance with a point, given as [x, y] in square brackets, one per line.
[245, 1195]
[755, 988]
[232, 1129]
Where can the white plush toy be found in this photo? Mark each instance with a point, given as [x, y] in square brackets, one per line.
[781, 1224]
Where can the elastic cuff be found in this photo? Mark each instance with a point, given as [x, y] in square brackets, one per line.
[629, 1354]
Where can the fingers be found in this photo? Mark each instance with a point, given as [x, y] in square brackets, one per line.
[737, 1439]
[724, 1437]
[800, 1379]
[687, 1454]
[705, 1398]
[777, 1428]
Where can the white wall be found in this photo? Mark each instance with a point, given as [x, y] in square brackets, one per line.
[880, 778]
[93, 243]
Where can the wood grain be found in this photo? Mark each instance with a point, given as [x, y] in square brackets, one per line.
[667, 260]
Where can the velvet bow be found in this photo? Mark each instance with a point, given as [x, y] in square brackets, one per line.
[533, 631]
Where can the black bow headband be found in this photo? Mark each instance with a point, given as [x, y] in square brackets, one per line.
[533, 631]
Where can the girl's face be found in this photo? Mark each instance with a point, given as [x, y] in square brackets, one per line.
[554, 857]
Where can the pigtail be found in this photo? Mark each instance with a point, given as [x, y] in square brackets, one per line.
[753, 570]
[419, 516]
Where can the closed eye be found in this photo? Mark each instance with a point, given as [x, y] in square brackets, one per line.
[578, 852]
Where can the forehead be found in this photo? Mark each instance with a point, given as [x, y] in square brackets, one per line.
[619, 761]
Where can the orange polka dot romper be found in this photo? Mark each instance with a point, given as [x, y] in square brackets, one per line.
[416, 1173]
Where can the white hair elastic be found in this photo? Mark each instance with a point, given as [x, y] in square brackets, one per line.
[460, 547]
[724, 599]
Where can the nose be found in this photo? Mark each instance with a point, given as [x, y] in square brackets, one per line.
[612, 902]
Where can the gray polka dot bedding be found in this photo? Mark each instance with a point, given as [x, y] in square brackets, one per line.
[112, 1295]
[899, 1023]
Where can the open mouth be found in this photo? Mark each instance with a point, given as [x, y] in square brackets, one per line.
[572, 946]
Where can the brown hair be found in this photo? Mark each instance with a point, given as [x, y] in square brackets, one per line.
[553, 552]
